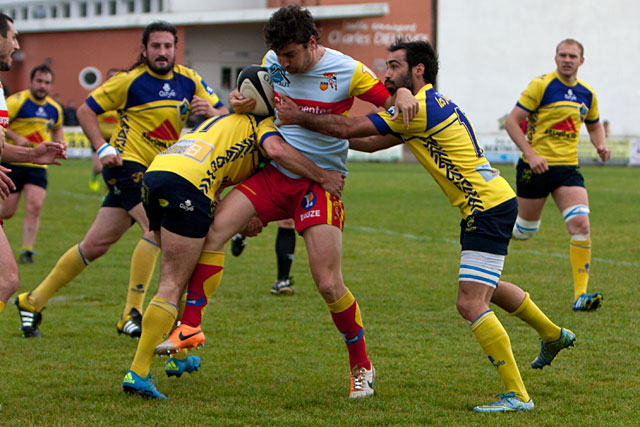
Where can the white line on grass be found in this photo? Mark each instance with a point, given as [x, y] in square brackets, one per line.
[456, 242]
[76, 195]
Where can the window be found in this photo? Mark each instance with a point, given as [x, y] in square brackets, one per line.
[82, 6]
[131, 6]
[24, 13]
[38, 12]
[97, 9]
[66, 10]
[112, 7]
[160, 6]
[54, 11]
[146, 6]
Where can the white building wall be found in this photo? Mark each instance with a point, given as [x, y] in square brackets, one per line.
[490, 50]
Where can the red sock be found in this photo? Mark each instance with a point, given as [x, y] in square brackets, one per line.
[349, 324]
[201, 286]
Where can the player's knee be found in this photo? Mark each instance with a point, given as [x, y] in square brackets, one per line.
[523, 229]
[93, 250]
[576, 218]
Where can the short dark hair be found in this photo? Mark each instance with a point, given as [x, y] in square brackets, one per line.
[4, 24]
[419, 52]
[42, 68]
[289, 24]
[571, 41]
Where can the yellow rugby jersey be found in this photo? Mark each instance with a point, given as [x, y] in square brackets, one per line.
[108, 122]
[32, 118]
[443, 140]
[153, 108]
[556, 112]
[221, 151]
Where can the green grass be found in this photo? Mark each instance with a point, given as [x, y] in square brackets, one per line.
[280, 361]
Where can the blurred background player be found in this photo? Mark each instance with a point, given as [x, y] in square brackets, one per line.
[556, 105]
[179, 190]
[34, 117]
[442, 139]
[108, 122]
[44, 153]
[166, 93]
[285, 248]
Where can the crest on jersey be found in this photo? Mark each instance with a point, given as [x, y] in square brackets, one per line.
[330, 82]
[183, 111]
[279, 76]
[583, 110]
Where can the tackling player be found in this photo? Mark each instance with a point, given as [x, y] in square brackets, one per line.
[179, 188]
[441, 137]
[154, 98]
[322, 80]
[556, 105]
[45, 153]
[33, 118]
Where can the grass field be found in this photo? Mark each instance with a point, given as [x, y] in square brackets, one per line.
[280, 361]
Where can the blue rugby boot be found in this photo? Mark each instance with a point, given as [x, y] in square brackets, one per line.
[588, 302]
[507, 402]
[145, 387]
[176, 367]
[549, 350]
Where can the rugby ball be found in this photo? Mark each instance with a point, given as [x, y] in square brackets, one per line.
[255, 82]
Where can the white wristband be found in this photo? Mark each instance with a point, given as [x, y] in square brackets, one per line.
[106, 150]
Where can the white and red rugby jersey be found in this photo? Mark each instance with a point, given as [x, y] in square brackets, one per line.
[328, 88]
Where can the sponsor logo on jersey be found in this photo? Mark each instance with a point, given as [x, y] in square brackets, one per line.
[331, 81]
[42, 113]
[564, 128]
[279, 76]
[167, 91]
[570, 96]
[162, 136]
[187, 206]
[35, 137]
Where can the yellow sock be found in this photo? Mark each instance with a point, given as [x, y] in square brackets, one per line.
[1, 306]
[530, 313]
[66, 269]
[143, 262]
[495, 342]
[580, 254]
[156, 324]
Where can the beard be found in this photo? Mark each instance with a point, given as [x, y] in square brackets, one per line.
[160, 70]
[5, 66]
[393, 85]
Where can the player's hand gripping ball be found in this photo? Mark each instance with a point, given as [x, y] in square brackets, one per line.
[255, 82]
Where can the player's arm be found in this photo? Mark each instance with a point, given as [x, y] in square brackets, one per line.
[598, 139]
[17, 138]
[512, 126]
[202, 107]
[327, 124]
[293, 160]
[405, 103]
[44, 153]
[88, 119]
[371, 144]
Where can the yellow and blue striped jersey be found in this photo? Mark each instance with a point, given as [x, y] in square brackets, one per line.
[221, 151]
[556, 112]
[443, 140]
[32, 118]
[153, 108]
